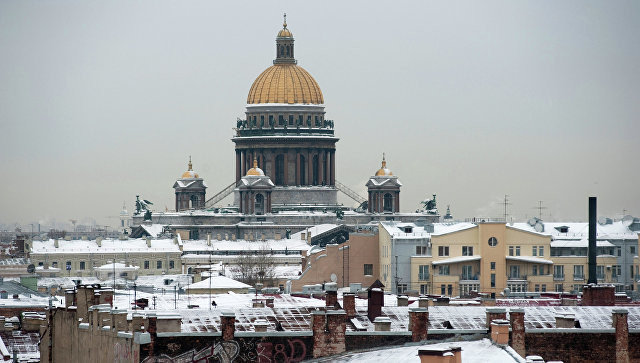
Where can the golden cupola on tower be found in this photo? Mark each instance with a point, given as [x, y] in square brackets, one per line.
[384, 171]
[255, 171]
[190, 173]
[285, 82]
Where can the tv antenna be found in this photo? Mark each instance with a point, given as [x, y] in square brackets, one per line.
[540, 208]
[505, 204]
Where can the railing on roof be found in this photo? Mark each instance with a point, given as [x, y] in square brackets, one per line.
[484, 220]
[350, 193]
[220, 195]
[283, 131]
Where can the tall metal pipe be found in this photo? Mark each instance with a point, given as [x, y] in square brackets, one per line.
[592, 241]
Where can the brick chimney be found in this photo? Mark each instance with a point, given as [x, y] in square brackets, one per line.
[500, 331]
[495, 313]
[418, 323]
[349, 304]
[516, 318]
[328, 332]
[620, 323]
[227, 325]
[375, 303]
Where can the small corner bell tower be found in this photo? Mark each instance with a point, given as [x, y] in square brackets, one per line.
[284, 45]
[190, 190]
[384, 191]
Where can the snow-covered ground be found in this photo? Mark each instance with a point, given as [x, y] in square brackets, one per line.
[480, 351]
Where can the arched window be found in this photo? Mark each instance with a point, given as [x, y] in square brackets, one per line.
[281, 50]
[303, 170]
[288, 53]
[259, 204]
[279, 170]
[387, 204]
[315, 170]
[193, 201]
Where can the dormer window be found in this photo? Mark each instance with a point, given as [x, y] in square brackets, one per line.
[563, 229]
[408, 229]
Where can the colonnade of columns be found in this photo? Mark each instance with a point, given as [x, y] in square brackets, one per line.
[247, 204]
[308, 171]
[376, 201]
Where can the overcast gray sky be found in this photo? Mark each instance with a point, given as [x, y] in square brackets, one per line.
[100, 101]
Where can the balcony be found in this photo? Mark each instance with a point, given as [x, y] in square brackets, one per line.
[468, 277]
[517, 278]
[558, 277]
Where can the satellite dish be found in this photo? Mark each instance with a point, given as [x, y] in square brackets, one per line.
[539, 227]
[627, 220]
[602, 221]
[31, 268]
[532, 222]
[334, 278]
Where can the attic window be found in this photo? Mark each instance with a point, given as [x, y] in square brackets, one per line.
[408, 229]
[563, 229]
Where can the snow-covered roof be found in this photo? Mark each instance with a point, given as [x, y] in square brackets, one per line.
[153, 229]
[118, 267]
[218, 282]
[581, 243]
[446, 261]
[293, 244]
[444, 228]
[107, 246]
[315, 230]
[397, 230]
[530, 259]
[478, 351]
[580, 230]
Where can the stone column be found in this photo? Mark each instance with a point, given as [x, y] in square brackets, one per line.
[397, 209]
[286, 167]
[333, 167]
[240, 202]
[620, 323]
[369, 202]
[244, 163]
[268, 202]
[516, 318]
[297, 167]
[252, 195]
[273, 162]
[309, 168]
[238, 167]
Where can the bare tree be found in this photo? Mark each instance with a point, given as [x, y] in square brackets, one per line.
[257, 267]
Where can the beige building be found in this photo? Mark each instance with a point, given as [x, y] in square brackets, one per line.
[354, 261]
[489, 257]
[87, 258]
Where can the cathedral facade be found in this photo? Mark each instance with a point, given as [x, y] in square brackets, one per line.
[287, 134]
[285, 170]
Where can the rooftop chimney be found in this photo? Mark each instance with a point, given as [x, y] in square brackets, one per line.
[592, 241]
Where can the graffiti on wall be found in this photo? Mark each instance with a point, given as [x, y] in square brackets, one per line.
[224, 352]
[122, 353]
[294, 351]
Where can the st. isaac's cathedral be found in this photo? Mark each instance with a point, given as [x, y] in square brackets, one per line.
[285, 177]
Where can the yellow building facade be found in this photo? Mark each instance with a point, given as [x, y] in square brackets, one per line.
[489, 257]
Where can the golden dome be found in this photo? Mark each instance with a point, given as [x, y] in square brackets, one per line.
[190, 173]
[255, 170]
[285, 83]
[383, 171]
